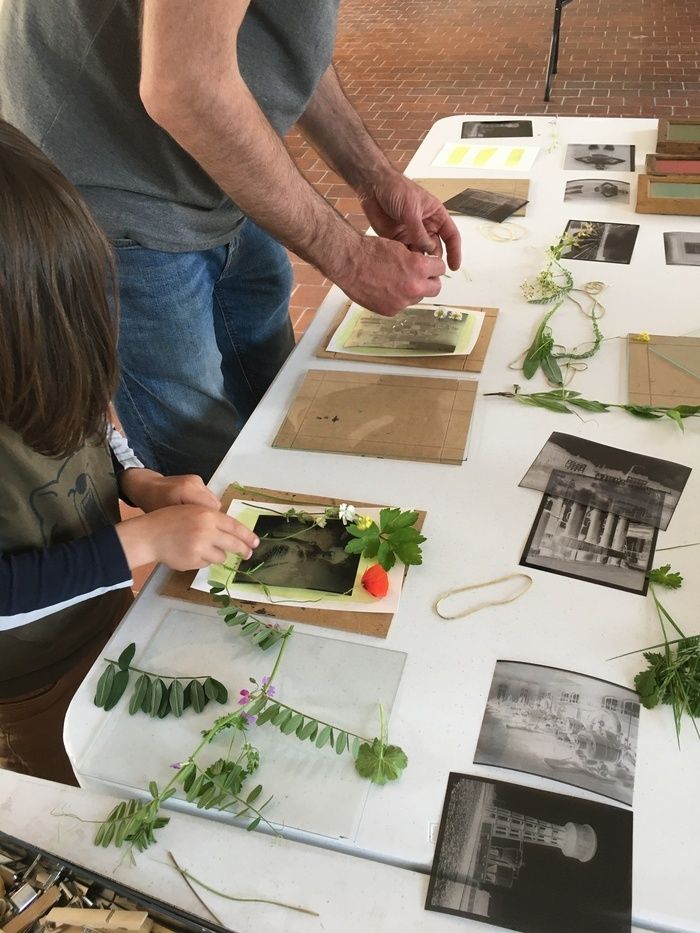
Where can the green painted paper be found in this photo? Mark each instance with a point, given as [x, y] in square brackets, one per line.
[684, 132]
[672, 189]
[352, 320]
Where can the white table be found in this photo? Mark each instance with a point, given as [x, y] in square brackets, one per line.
[478, 520]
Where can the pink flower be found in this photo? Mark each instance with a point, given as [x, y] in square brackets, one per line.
[245, 697]
[270, 691]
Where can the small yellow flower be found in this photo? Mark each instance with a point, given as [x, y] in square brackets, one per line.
[644, 337]
[363, 522]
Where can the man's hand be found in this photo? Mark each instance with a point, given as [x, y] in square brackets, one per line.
[399, 209]
[149, 490]
[386, 277]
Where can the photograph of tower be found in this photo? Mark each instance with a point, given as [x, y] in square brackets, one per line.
[561, 725]
[637, 476]
[532, 861]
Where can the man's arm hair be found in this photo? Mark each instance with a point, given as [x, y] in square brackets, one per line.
[191, 86]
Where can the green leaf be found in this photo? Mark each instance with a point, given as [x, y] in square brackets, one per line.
[283, 717]
[355, 747]
[549, 403]
[687, 411]
[139, 694]
[551, 369]
[153, 789]
[357, 545]
[119, 685]
[371, 547]
[641, 411]
[195, 787]
[324, 737]
[197, 696]
[157, 690]
[386, 556]
[254, 824]
[254, 794]
[291, 724]
[104, 685]
[409, 553]
[307, 729]
[221, 691]
[664, 576]
[676, 417]
[379, 762]
[387, 517]
[176, 698]
[300, 728]
[268, 714]
[647, 688]
[127, 656]
[341, 743]
[588, 404]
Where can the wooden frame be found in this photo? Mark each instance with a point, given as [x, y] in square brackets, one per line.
[654, 164]
[684, 147]
[648, 204]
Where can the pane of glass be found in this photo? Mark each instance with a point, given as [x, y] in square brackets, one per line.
[684, 132]
[665, 189]
[685, 356]
[338, 681]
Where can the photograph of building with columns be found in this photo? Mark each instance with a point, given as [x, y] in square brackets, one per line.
[561, 725]
[601, 511]
[532, 861]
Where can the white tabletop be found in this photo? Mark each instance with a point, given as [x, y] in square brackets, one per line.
[478, 521]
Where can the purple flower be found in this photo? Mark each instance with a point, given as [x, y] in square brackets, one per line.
[176, 765]
[251, 720]
[245, 697]
[270, 691]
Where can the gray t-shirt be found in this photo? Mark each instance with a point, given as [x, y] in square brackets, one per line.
[69, 79]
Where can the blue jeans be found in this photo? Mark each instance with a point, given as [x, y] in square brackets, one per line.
[201, 337]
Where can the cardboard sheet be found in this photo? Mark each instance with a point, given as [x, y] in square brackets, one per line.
[446, 188]
[664, 371]
[178, 584]
[402, 417]
[473, 363]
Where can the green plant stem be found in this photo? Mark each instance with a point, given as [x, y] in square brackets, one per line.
[229, 897]
[185, 877]
[140, 670]
[319, 721]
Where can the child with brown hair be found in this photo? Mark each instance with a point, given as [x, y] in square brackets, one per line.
[65, 560]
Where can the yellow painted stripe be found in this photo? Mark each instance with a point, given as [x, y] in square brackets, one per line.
[457, 155]
[485, 155]
[515, 157]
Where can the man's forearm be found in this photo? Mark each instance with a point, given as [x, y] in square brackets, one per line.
[221, 125]
[336, 131]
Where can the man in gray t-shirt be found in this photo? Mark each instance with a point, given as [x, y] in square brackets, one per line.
[168, 115]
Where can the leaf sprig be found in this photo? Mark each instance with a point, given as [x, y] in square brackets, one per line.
[151, 695]
[393, 539]
[566, 401]
[673, 675]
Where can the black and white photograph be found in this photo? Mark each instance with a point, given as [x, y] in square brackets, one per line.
[532, 861]
[597, 189]
[417, 329]
[590, 543]
[598, 241]
[490, 205]
[561, 725]
[301, 555]
[629, 472]
[602, 158]
[496, 129]
[682, 249]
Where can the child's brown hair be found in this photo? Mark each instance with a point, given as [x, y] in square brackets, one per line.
[58, 335]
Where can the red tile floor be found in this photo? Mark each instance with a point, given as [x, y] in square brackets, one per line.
[405, 63]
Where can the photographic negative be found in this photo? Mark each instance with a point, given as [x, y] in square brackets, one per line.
[638, 480]
[533, 861]
[601, 242]
[300, 555]
[590, 543]
[602, 158]
[597, 189]
[418, 329]
[487, 204]
[682, 249]
[561, 725]
[496, 129]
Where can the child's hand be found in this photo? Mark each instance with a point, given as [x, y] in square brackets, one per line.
[185, 537]
[150, 491]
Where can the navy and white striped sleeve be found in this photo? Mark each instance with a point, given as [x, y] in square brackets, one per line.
[39, 581]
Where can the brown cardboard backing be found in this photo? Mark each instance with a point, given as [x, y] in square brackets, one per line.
[403, 417]
[653, 380]
[444, 188]
[363, 623]
[473, 363]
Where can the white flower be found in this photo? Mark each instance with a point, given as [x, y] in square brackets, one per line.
[346, 512]
[440, 313]
[455, 315]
